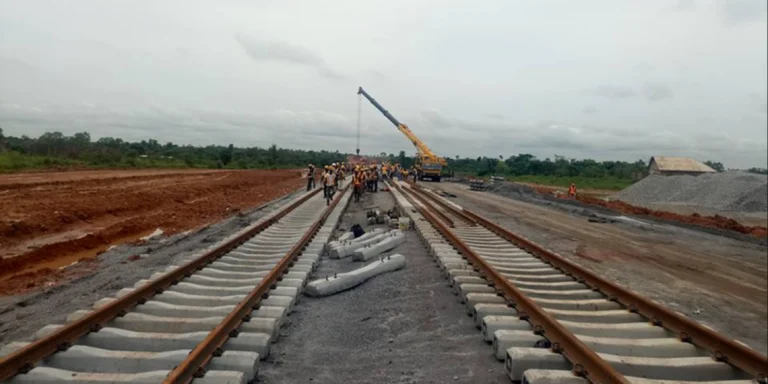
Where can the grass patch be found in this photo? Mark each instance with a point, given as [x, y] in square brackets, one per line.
[13, 161]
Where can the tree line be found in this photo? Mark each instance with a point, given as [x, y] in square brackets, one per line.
[54, 149]
[525, 164]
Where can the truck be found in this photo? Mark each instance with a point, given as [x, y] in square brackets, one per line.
[429, 165]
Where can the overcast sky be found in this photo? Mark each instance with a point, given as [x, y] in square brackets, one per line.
[586, 79]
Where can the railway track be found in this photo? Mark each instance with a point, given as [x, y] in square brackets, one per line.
[210, 320]
[552, 321]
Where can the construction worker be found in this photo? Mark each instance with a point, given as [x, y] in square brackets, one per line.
[310, 177]
[371, 178]
[339, 177]
[572, 191]
[357, 186]
[374, 178]
[330, 185]
[326, 169]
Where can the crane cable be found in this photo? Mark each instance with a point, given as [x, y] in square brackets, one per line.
[359, 108]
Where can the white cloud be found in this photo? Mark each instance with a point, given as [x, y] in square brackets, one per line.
[331, 131]
[735, 12]
[614, 92]
[261, 50]
[656, 91]
[579, 78]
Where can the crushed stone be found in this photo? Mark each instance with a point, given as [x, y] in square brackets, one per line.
[731, 191]
[406, 326]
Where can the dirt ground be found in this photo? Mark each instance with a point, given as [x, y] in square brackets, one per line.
[49, 220]
[80, 285]
[716, 280]
[681, 212]
[401, 327]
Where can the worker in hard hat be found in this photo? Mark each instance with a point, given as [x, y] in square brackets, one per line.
[357, 186]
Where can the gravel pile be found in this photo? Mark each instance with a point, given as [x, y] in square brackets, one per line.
[732, 191]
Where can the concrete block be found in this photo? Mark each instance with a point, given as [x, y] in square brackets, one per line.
[544, 376]
[343, 281]
[680, 368]
[480, 311]
[473, 299]
[389, 242]
[505, 339]
[493, 323]
[48, 375]
[463, 289]
[620, 330]
[665, 347]
[602, 317]
[83, 359]
[519, 360]
[579, 305]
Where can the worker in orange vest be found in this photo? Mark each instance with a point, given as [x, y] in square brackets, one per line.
[572, 191]
[357, 186]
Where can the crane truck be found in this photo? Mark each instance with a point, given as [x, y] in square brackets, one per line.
[431, 165]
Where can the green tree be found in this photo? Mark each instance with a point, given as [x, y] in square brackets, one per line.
[502, 168]
[717, 166]
[225, 155]
[273, 155]
[759, 171]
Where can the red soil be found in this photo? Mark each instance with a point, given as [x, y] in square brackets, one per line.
[51, 220]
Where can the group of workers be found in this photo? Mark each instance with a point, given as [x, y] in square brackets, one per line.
[365, 177]
[330, 178]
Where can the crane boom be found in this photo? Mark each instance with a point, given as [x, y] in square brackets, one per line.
[422, 148]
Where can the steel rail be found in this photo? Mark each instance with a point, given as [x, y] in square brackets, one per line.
[466, 218]
[23, 360]
[586, 362]
[421, 198]
[722, 348]
[194, 364]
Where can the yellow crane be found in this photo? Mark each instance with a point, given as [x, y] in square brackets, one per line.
[431, 165]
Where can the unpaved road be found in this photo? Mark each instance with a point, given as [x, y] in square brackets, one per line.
[715, 280]
[49, 220]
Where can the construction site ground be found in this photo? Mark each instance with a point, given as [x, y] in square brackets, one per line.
[51, 220]
[401, 327]
[22, 314]
[716, 280]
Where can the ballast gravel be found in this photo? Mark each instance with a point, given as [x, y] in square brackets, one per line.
[731, 191]
[402, 327]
